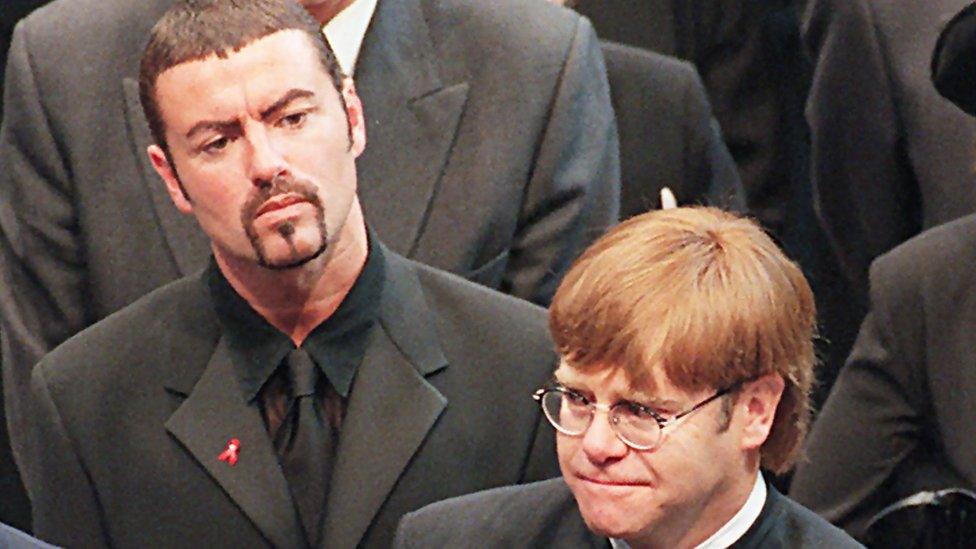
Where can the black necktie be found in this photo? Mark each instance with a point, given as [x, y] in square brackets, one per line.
[305, 443]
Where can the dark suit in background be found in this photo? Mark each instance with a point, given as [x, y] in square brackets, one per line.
[129, 439]
[668, 137]
[492, 152]
[14, 506]
[13, 11]
[900, 418]
[545, 514]
[748, 55]
[891, 157]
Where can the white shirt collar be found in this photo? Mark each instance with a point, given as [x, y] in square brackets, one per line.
[735, 528]
[346, 31]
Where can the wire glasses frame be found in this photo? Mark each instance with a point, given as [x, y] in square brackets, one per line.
[636, 425]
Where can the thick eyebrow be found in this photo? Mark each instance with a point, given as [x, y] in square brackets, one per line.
[281, 103]
[219, 126]
[224, 126]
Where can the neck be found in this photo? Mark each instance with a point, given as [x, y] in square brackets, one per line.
[701, 523]
[323, 12]
[297, 300]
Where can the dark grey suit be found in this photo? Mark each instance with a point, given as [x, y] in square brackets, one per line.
[492, 152]
[133, 412]
[891, 157]
[668, 137]
[900, 417]
[545, 514]
[749, 56]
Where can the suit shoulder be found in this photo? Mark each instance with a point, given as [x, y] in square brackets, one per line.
[491, 515]
[635, 60]
[170, 319]
[104, 34]
[531, 30]
[469, 295]
[804, 528]
[946, 252]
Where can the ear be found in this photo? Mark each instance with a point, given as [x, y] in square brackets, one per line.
[172, 181]
[756, 405]
[354, 114]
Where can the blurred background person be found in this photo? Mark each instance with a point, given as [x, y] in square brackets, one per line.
[899, 419]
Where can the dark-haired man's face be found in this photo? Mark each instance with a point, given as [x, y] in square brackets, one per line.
[261, 145]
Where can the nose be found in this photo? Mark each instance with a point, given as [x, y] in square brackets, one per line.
[600, 443]
[266, 161]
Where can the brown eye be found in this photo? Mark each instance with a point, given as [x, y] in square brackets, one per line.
[293, 120]
[216, 145]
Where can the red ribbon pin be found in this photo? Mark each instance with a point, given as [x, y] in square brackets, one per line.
[230, 453]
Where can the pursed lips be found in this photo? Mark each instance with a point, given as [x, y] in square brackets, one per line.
[278, 202]
[611, 481]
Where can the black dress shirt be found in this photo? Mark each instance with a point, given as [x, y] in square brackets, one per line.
[337, 345]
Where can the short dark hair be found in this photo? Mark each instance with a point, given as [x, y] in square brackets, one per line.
[192, 30]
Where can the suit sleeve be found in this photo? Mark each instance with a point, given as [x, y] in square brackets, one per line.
[41, 261]
[65, 507]
[708, 160]
[874, 418]
[573, 193]
[864, 187]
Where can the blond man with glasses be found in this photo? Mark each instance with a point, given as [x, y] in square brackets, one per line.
[686, 339]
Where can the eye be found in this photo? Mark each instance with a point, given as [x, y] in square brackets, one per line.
[640, 411]
[216, 145]
[575, 398]
[293, 120]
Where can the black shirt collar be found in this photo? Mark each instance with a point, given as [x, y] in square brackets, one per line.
[337, 345]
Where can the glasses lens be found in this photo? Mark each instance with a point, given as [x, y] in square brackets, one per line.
[636, 426]
[568, 412]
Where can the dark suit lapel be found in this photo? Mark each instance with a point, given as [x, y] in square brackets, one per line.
[215, 412]
[187, 243]
[412, 118]
[391, 410]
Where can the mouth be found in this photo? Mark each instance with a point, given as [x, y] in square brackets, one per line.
[612, 482]
[279, 202]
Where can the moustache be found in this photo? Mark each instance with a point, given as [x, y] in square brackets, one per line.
[280, 185]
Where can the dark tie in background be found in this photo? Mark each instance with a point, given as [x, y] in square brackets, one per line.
[305, 442]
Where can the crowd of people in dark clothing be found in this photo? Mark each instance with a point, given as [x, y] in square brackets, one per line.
[494, 143]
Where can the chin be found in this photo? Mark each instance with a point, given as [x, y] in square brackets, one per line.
[292, 260]
[620, 523]
[615, 512]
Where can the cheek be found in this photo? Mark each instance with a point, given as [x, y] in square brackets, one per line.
[566, 449]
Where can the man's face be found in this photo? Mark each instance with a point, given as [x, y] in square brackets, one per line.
[668, 494]
[262, 153]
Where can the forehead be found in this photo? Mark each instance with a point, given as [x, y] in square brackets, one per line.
[258, 72]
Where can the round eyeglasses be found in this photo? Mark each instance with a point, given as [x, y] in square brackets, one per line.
[635, 425]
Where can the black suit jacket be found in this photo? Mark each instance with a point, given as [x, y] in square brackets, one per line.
[900, 417]
[133, 412]
[545, 514]
[492, 152]
[749, 56]
[668, 137]
[891, 157]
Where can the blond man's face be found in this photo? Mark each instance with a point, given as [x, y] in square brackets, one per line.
[667, 493]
